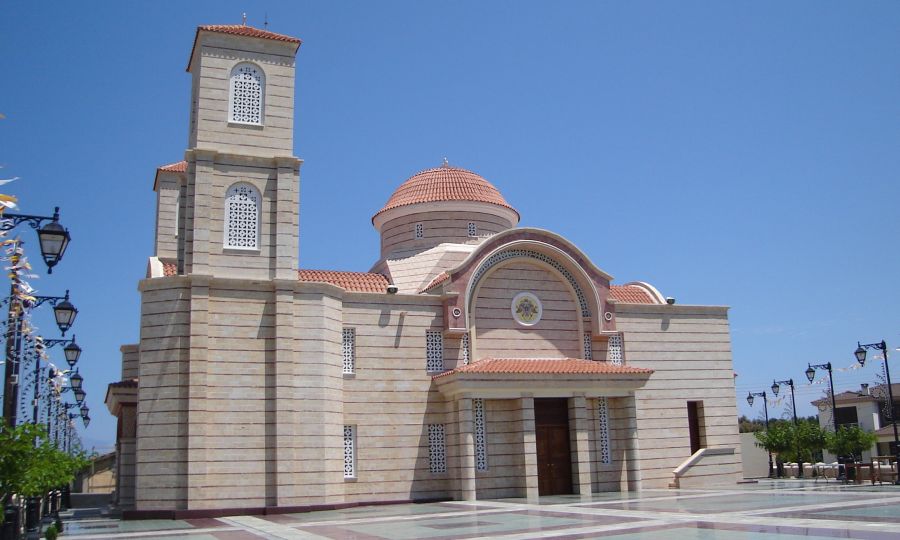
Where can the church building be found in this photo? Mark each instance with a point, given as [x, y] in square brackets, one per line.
[476, 359]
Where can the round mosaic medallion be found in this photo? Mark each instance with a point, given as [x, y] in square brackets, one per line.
[526, 309]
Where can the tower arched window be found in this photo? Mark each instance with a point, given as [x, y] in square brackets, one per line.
[247, 94]
[242, 202]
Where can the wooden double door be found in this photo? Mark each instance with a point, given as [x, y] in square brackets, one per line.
[554, 455]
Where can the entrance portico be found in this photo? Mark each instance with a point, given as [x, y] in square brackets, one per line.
[554, 414]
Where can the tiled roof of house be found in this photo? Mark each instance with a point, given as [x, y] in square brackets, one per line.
[350, 281]
[878, 391]
[445, 183]
[178, 166]
[249, 31]
[127, 383]
[549, 366]
[438, 279]
[631, 294]
[170, 267]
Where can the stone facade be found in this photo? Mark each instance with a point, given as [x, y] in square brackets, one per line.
[475, 360]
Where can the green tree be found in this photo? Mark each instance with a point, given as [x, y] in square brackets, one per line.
[777, 439]
[850, 441]
[30, 465]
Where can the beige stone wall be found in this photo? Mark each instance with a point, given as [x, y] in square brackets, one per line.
[214, 58]
[390, 399]
[505, 476]
[130, 361]
[689, 347]
[161, 453]
[167, 200]
[497, 334]
[398, 237]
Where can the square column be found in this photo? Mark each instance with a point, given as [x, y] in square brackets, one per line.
[465, 420]
[529, 447]
[581, 434]
[631, 472]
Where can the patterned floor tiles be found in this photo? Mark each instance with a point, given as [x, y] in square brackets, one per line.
[768, 510]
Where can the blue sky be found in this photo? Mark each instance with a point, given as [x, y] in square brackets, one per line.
[739, 153]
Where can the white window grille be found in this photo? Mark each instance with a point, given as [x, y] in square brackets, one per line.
[434, 351]
[481, 462]
[420, 230]
[465, 348]
[473, 230]
[588, 347]
[603, 430]
[614, 351]
[349, 451]
[437, 452]
[247, 94]
[242, 217]
[349, 349]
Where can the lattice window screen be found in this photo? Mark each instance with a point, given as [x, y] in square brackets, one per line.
[348, 348]
[242, 217]
[349, 451]
[588, 347]
[481, 462]
[614, 352]
[465, 348]
[247, 85]
[420, 230]
[473, 229]
[603, 430]
[437, 451]
[434, 351]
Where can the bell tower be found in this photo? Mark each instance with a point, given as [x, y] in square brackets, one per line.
[240, 204]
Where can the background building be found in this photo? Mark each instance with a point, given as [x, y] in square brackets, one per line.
[476, 359]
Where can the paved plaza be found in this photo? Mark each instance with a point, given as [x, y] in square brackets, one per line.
[764, 510]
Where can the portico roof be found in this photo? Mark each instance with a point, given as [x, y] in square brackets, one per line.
[559, 377]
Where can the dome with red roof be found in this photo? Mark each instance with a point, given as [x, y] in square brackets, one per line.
[445, 183]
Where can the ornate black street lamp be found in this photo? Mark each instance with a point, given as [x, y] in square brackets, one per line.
[776, 388]
[72, 353]
[766, 411]
[53, 237]
[811, 374]
[861, 358]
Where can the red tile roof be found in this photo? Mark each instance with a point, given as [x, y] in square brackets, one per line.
[548, 366]
[350, 281]
[170, 268]
[127, 383]
[249, 31]
[438, 279]
[179, 166]
[444, 183]
[629, 294]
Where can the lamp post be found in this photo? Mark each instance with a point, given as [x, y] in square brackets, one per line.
[861, 358]
[776, 387]
[52, 237]
[766, 411]
[811, 374]
[72, 353]
[64, 313]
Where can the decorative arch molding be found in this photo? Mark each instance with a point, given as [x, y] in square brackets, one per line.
[519, 253]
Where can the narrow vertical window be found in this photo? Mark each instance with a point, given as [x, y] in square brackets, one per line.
[349, 451]
[603, 430]
[242, 217]
[349, 349]
[420, 230]
[437, 452]
[588, 347]
[247, 94]
[481, 462]
[614, 352]
[473, 230]
[434, 351]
